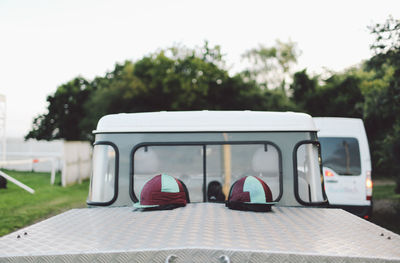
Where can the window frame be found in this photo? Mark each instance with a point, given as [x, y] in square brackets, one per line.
[203, 144]
[296, 175]
[114, 198]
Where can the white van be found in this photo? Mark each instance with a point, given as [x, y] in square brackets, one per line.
[346, 164]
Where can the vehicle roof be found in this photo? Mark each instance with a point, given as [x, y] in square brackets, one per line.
[336, 126]
[202, 121]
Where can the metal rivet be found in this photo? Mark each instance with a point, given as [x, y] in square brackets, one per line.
[224, 259]
[171, 259]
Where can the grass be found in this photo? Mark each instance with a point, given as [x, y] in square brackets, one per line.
[18, 208]
[386, 206]
[385, 192]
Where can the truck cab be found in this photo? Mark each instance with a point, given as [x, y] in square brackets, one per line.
[202, 147]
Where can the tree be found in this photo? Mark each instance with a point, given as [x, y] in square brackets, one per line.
[338, 96]
[382, 97]
[303, 90]
[271, 66]
[65, 112]
[116, 92]
[387, 43]
[179, 79]
[172, 79]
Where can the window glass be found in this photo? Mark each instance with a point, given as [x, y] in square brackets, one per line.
[341, 155]
[224, 164]
[309, 177]
[230, 162]
[102, 183]
[182, 162]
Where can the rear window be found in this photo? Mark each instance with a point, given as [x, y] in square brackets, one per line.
[202, 167]
[341, 154]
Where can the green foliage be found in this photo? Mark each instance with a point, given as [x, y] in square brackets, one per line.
[339, 96]
[303, 88]
[19, 208]
[379, 110]
[383, 99]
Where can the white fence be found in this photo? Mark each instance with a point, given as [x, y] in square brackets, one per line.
[73, 158]
[18, 149]
[77, 160]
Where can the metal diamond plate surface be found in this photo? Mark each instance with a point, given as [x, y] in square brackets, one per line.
[202, 233]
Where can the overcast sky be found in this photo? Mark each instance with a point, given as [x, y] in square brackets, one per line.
[46, 43]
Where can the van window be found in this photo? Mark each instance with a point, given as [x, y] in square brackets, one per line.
[102, 183]
[341, 154]
[219, 168]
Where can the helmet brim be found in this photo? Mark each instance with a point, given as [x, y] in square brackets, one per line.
[266, 203]
[138, 205]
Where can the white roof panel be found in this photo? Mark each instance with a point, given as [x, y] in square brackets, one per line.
[337, 126]
[202, 121]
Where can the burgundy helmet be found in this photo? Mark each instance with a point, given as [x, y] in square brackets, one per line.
[163, 192]
[250, 193]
